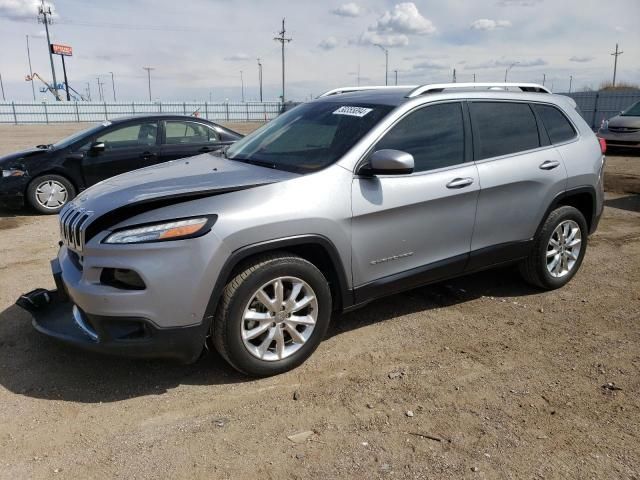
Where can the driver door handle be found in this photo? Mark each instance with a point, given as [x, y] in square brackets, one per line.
[206, 149]
[460, 182]
[549, 164]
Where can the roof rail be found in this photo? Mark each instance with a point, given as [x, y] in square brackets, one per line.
[338, 91]
[439, 87]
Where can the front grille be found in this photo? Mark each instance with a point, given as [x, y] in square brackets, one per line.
[73, 221]
[624, 129]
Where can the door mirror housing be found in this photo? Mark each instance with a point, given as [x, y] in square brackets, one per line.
[97, 147]
[388, 162]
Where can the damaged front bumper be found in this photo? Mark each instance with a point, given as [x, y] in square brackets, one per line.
[55, 315]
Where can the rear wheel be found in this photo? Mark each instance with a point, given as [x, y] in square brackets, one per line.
[558, 249]
[49, 193]
[272, 315]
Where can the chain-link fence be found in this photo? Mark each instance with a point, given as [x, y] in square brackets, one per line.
[69, 112]
[598, 106]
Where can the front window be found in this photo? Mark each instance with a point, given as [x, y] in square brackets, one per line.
[308, 138]
[130, 136]
[632, 111]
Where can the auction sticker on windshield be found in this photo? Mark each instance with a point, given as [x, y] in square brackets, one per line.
[353, 111]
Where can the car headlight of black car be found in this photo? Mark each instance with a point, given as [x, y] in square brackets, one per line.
[12, 172]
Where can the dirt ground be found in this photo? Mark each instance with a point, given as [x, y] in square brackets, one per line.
[479, 377]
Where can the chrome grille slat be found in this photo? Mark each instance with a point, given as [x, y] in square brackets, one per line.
[73, 221]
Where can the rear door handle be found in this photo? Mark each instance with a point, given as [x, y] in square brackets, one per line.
[460, 182]
[549, 164]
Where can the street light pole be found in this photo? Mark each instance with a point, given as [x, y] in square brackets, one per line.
[386, 63]
[396, 72]
[260, 77]
[2, 88]
[506, 72]
[242, 85]
[33, 88]
[113, 86]
[570, 82]
[148, 69]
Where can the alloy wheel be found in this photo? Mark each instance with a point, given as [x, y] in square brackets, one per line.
[563, 249]
[51, 194]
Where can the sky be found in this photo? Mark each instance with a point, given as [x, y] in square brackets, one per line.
[198, 48]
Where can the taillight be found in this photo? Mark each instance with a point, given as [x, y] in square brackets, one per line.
[603, 145]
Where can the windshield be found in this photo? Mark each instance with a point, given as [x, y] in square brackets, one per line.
[309, 137]
[632, 111]
[65, 142]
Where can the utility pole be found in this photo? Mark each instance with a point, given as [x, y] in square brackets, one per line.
[544, 78]
[570, 82]
[260, 77]
[242, 85]
[474, 78]
[396, 72]
[283, 40]
[615, 54]
[454, 80]
[113, 86]
[506, 72]
[2, 88]
[100, 94]
[44, 16]
[89, 91]
[386, 63]
[33, 88]
[148, 69]
[66, 81]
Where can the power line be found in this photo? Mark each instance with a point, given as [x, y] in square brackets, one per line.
[283, 40]
[615, 54]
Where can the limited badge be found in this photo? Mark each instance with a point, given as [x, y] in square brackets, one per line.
[352, 111]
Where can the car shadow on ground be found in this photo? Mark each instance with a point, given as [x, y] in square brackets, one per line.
[19, 212]
[630, 203]
[38, 367]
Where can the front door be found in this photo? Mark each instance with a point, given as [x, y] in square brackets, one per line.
[126, 148]
[408, 230]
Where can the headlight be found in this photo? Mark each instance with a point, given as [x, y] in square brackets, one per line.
[175, 230]
[13, 172]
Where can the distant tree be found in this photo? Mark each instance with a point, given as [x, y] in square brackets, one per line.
[620, 87]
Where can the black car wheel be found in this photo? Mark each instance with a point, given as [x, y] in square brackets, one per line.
[272, 315]
[49, 193]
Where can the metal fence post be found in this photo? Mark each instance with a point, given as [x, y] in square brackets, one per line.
[133, 107]
[77, 113]
[184, 107]
[247, 111]
[160, 107]
[46, 113]
[15, 117]
[227, 106]
[595, 110]
[206, 110]
[106, 116]
[264, 107]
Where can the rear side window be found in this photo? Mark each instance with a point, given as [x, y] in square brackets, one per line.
[558, 127]
[501, 128]
[434, 135]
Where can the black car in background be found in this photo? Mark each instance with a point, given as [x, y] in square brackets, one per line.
[48, 176]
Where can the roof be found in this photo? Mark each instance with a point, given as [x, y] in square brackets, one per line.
[156, 116]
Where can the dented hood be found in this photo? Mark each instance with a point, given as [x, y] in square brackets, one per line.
[197, 176]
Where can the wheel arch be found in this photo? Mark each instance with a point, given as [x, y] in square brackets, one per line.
[317, 249]
[581, 198]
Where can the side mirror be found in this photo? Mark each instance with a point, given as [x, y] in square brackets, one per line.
[388, 162]
[97, 147]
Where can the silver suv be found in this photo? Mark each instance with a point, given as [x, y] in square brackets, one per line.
[361, 193]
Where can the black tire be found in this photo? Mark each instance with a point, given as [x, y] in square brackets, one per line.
[228, 320]
[33, 188]
[534, 268]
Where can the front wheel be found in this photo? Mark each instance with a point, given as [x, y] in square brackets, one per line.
[272, 315]
[49, 193]
[558, 249]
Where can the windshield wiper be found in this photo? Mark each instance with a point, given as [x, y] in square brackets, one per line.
[259, 163]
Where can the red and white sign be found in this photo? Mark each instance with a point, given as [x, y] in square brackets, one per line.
[58, 49]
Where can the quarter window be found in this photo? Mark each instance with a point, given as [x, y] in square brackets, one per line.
[501, 128]
[188, 132]
[558, 127]
[434, 135]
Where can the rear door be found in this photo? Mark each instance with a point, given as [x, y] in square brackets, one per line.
[411, 229]
[127, 147]
[184, 138]
[520, 174]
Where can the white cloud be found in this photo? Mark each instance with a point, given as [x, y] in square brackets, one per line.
[488, 24]
[518, 3]
[581, 59]
[328, 43]
[347, 10]
[237, 57]
[538, 62]
[404, 19]
[392, 40]
[21, 10]
[430, 65]
[619, 29]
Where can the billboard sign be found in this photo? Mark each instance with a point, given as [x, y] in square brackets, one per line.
[58, 49]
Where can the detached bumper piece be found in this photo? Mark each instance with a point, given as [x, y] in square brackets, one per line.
[56, 316]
